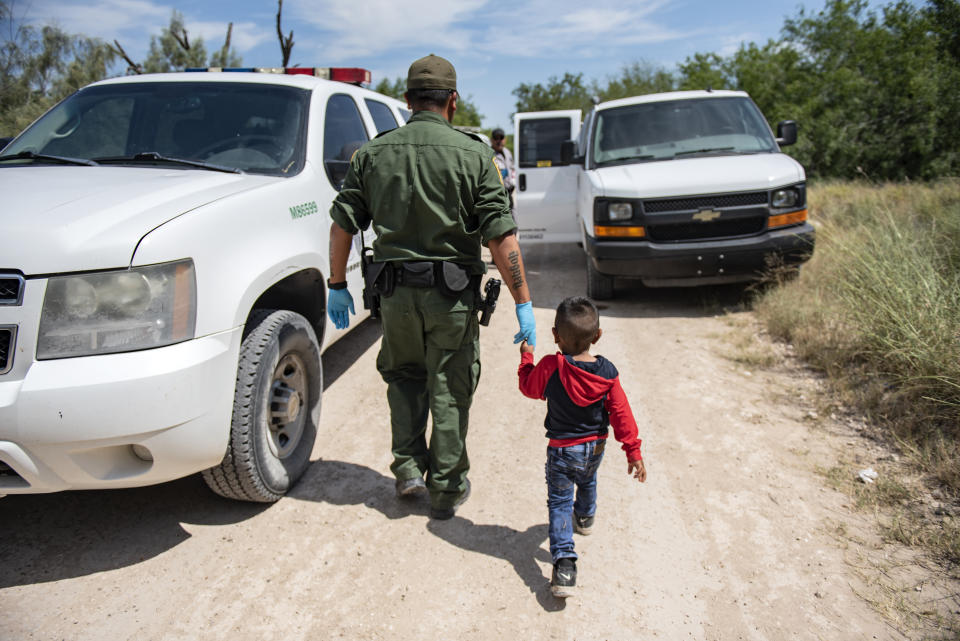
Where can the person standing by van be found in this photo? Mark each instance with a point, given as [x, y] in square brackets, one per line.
[504, 160]
[432, 195]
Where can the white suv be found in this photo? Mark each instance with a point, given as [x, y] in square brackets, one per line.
[162, 280]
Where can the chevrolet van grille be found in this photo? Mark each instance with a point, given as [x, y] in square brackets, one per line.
[11, 289]
[8, 335]
[695, 203]
[674, 232]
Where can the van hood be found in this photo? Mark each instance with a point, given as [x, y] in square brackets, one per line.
[69, 219]
[704, 175]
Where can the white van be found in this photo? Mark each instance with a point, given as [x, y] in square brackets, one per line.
[162, 280]
[675, 189]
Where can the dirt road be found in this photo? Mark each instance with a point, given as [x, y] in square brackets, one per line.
[728, 539]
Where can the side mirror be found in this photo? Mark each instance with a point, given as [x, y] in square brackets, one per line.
[786, 133]
[4, 142]
[568, 153]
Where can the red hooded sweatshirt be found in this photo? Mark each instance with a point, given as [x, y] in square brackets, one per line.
[583, 399]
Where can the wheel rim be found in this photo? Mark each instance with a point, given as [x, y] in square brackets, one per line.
[288, 394]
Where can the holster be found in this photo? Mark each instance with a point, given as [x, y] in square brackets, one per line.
[451, 278]
[378, 281]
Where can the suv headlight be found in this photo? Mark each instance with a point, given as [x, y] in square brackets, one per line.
[119, 311]
[789, 197]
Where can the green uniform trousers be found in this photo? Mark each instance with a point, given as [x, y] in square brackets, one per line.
[430, 360]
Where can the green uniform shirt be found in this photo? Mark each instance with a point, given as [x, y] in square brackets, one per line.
[431, 192]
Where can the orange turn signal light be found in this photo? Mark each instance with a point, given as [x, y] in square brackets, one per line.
[619, 231]
[781, 220]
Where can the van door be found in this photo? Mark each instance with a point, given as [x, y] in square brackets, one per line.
[546, 190]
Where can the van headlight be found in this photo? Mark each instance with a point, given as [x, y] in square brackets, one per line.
[789, 197]
[118, 311]
[620, 211]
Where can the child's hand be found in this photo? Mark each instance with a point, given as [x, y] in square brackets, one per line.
[638, 470]
[526, 348]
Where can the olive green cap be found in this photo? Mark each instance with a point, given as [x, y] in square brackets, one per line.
[432, 72]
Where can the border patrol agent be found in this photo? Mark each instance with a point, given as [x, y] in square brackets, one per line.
[432, 195]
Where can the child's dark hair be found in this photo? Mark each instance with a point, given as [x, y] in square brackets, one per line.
[577, 323]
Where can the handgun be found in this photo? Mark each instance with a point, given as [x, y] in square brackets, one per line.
[491, 292]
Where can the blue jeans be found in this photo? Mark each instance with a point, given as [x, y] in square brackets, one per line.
[569, 467]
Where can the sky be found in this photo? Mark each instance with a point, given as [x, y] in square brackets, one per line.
[495, 46]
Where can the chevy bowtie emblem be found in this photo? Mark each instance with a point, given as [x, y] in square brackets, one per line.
[706, 215]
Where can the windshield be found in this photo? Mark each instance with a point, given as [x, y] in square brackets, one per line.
[257, 128]
[684, 128]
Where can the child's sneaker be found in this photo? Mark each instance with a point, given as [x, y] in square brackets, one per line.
[564, 580]
[582, 524]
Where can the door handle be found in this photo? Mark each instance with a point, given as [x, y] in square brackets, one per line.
[522, 182]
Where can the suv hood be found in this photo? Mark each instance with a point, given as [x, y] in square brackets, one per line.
[69, 219]
[703, 175]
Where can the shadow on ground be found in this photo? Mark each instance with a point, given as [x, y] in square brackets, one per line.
[556, 271]
[520, 549]
[342, 483]
[340, 356]
[48, 537]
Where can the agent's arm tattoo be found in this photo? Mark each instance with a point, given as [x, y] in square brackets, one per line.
[516, 273]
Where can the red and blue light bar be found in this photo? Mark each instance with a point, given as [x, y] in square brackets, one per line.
[353, 75]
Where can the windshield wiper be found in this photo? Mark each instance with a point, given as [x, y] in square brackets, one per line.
[30, 155]
[624, 158]
[702, 151]
[152, 156]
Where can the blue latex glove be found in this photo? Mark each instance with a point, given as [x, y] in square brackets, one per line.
[338, 302]
[528, 326]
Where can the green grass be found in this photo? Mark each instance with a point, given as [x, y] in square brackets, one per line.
[877, 309]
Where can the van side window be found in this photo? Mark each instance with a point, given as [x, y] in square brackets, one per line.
[382, 116]
[540, 141]
[343, 134]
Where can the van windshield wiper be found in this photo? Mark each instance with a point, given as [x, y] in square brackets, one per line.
[30, 155]
[621, 159]
[153, 157]
[708, 150]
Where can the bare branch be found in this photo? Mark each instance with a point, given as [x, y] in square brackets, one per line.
[181, 38]
[131, 65]
[226, 45]
[286, 44]
[225, 52]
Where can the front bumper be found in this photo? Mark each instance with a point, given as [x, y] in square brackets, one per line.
[72, 423]
[703, 262]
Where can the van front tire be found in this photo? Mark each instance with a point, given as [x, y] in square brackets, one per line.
[599, 286]
[276, 408]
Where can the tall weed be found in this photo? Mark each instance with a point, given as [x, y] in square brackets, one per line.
[878, 308]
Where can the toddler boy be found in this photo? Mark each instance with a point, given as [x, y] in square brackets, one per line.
[584, 397]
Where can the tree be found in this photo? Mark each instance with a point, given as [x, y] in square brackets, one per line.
[568, 92]
[870, 92]
[704, 70]
[226, 56]
[394, 89]
[636, 79]
[467, 114]
[172, 49]
[876, 95]
[39, 67]
[286, 42]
